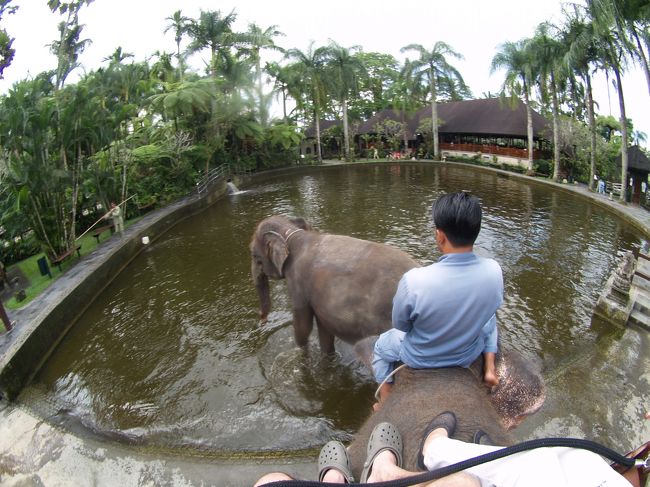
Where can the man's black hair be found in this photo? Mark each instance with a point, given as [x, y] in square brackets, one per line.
[458, 215]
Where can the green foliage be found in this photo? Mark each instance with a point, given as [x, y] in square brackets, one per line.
[543, 167]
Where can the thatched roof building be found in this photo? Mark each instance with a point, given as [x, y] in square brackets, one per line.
[492, 126]
[488, 117]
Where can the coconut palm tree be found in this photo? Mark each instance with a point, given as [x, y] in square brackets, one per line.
[258, 39]
[433, 66]
[581, 55]
[309, 65]
[180, 25]
[344, 71]
[515, 59]
[69, 46]
[286, 80]
[613, 58]
[630, 19]
[547, 58]
[213, 31]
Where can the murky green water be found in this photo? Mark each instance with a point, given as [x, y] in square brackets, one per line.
[172, 352]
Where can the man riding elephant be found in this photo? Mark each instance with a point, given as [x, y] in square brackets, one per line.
[444, 315]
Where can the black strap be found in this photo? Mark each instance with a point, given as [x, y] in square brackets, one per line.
[473, 462]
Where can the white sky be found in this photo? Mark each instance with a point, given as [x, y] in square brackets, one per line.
[472, 27]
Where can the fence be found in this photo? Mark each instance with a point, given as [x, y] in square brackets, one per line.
[223, 171]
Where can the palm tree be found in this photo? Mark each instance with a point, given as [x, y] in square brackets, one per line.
[310, 66]
[580, 56]
[179, 24]
[212, 30]
[547, 57]
[630, 19]
[69, 46]
[407, 94]
[344, 71]
[516, 60]
[433, 66]
[258, 39]
[613, 58]
[286, 79]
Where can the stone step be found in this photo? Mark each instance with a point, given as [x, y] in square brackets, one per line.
[642, 303]
[641, 283]
[640, 319]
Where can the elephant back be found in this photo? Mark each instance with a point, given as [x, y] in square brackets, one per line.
[420, 395]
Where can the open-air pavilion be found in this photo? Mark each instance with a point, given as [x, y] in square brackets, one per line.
[491, 127]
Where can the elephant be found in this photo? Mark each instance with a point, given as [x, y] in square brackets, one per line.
[347, 284]
[421, 394]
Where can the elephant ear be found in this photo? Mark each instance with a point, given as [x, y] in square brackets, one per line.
[277, 252]
[300, 222]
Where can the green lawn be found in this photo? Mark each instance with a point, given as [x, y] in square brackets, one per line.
[38, 283]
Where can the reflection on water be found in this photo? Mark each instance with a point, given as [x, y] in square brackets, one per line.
[172, 352]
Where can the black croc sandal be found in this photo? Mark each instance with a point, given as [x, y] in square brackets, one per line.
[446, 420]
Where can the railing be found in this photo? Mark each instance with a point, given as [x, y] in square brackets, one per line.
[614, 188]
[222, 171]
[492, 149]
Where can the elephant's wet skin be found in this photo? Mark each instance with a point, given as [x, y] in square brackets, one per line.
[345, 283]
[420, 395]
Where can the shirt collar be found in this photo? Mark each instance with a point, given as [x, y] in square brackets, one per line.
[459, 257]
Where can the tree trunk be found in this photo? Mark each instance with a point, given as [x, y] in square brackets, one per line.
[346, 129]
[592, 130]
[434, 118]
[284, 104]
[621, 102]
[556, 130]
[529, 127]
[319, 155]
[260, 92]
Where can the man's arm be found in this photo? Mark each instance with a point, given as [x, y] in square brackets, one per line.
[491, 335]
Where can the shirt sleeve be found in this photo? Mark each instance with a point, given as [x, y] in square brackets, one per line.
[402, 307]
[491, 335]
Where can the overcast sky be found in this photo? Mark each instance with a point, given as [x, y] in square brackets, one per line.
[474, 28]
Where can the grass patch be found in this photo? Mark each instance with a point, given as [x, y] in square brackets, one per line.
[38, 283]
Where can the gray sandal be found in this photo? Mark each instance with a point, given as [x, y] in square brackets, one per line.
[384, 437]
[334, 456]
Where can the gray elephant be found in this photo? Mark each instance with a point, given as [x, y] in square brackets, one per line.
[347, 284]
[420, 395]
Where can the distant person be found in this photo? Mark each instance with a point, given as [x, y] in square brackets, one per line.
[601, 186]
[115, 214]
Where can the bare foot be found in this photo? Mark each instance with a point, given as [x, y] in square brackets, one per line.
[647, 415]
[490, 378]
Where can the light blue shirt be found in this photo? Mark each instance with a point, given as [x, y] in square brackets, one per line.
[447, 311]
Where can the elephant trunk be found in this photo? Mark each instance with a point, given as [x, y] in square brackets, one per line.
[261, 281]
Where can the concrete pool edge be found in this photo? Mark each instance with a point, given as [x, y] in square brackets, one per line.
[175, 217]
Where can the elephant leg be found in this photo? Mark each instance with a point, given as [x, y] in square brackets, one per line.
[303, 322]
[325, 339]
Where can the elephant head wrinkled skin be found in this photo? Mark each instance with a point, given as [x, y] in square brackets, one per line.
[345, 283]
[420, 395]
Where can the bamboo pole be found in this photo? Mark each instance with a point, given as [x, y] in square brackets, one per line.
[101, 218]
